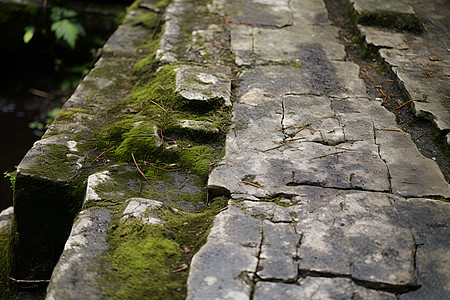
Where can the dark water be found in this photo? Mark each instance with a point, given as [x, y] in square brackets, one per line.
[19, 72]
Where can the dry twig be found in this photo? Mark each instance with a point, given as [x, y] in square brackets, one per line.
[143, 175]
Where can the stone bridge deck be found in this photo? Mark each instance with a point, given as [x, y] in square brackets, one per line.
[326, 197]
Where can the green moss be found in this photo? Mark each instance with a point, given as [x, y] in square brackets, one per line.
[392, 20]
[142, 262]
[160, 88]
[142, 258]
[197, 159]
[56, 163]
[71, 114]
[4, 244]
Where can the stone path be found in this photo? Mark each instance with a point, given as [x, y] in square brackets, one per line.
[324, 186]
[327, 197]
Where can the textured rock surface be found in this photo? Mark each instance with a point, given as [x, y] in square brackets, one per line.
[419, 61]
[333, 182]
[75, 276]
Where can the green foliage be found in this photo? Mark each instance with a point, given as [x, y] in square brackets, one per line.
[29, 33]
[65, 26]
[11, 176]
[51, 115]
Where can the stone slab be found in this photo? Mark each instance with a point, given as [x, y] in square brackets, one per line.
[399, 6]
[204, 83]
[82, 251]
[226, 271]
[316, 288]
[122, 41]
[382, 236]
[254, 12]
[278, 251]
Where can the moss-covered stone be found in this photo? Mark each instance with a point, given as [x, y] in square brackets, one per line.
[151, 259]
[198, 159]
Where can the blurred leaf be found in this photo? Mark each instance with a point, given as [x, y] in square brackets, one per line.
[29, 33]
[67, 31]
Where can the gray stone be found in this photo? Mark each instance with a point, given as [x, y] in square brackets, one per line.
[398, 6]
[224, 267]
[278, 251]
[169, 42]
[76, 275]
[204, 83]
[429, 222]
[317, 288]
[142, 209]
[122, 41]
[288, 44]
[255, 12]
[6, 216]
[412, 174]
[377, 249]
[204, 127]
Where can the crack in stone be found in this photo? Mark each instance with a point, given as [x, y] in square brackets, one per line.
[255, 276]
[373, 285]
[318, 184]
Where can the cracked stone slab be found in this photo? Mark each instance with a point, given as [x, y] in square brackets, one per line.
[287, 44]
[226, 264]
[275, 13]
[430, 90]
[317, 288]
[278, 251]
[82, 251]
[204, 83]
[377, 249]
[412, 174]
[429, 222]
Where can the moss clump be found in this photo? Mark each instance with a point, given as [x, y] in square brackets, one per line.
[160, 88]
[391, 20]
[147, 260]
[197, 159]
[142, 261]
[71, 114]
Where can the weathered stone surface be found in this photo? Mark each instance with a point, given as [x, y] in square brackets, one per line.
[420, 62]
[76, 275]
[123, 40]
[278, 252]
[411, 173]
[204, 83]
[226, 264]
[6, 216]
[376, 248]
[141, 209]
[316, 288]
[429, 223]
[167, 52]
[255, 12]
[382, 5]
